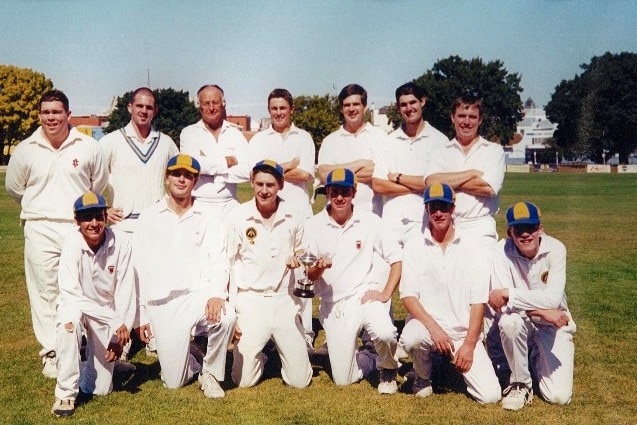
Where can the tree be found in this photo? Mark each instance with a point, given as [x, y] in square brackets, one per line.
[499, 90]
[20, 91]
[318, 115]
[176, 111]
[596, 111]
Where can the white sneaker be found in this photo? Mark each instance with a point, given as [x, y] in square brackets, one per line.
[63, 408]
[387, 384]
[210, 386]
[49, 365]
[516, 396]
[422, 387]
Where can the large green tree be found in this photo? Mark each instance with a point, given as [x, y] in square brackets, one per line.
[20, 91]
[451, 77]
[596, 111]
[176, 111]
[318, 115]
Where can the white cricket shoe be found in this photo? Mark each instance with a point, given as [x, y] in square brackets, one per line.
[210, 386]
[387, 384]
[63, 408]
[516, 396]
[422, 387]
[49, 365]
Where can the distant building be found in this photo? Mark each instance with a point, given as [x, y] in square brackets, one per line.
[532, 135]
[91, 125]
[379, 118]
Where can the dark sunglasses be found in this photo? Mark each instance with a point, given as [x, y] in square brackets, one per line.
[90, 215]
[334, 191]
[443, 207]
[178, 173]
[521, 229]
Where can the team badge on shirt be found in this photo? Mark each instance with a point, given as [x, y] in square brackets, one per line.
[251, 234]
[544, 277]
[359, 244]
[111, 269]
[75, 163]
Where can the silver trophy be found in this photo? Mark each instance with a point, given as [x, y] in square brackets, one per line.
[304, 288]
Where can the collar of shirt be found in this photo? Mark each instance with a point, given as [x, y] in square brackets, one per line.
[429, 240]
[39, 138]
[194, 209]
[270, 130]
[283, 212]
[426, 132]
[130, 132]
[327, 220]
[344, 133]
[224, 126]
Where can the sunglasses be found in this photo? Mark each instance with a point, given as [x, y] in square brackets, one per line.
[521, 229]
[435, 206]
[178, 173]
[334, 191]
[90, 215]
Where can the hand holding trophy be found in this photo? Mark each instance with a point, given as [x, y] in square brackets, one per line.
[304, 288]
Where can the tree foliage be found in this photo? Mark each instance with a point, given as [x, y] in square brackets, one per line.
[451, 77]
[20, 91]
[318, 115]
[596, 111]
[176, 111]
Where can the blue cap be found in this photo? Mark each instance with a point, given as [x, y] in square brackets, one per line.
[439, 192]
[523, 213]
[341, 177]
[89, 201]
[270, 165]
[183, 162]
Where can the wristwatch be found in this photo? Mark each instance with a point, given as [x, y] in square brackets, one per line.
[398, 178]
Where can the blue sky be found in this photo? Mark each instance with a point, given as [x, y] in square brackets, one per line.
[96, 50]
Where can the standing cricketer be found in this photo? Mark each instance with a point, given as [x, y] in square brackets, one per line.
[97, 299]
[534, 323]
[444, 288]
[267, 233]
[46, 173]
[180, 258]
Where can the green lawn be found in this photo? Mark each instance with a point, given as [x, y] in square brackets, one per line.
[594, 215]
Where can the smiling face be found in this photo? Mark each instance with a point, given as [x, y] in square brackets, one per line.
[410, 109]
[526, 238]
[55, 121]
[280, 114]
[92, 223]
[340, 198]
[266, 188]
[180, 183]
[466, 121]
[211, 107]
[440, 213]
[353, 112]
[142, 110]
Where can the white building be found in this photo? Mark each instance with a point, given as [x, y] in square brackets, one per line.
[532, 134]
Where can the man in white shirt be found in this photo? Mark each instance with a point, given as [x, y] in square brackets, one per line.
[136, 156]
[444, 288]
[356, 145]
[182, 267]
[97, 299]
[535, 325]
[267, 232]
[220, 148]
[348, 243]
[46, 173]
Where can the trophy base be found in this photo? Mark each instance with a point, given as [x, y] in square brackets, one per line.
[303, 293]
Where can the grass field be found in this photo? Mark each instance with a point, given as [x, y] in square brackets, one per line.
[594, 215]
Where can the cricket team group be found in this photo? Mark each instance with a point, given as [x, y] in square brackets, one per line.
[133, 234]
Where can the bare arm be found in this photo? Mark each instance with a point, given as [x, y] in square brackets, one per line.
[386, 187]
[361, 166]
[392, 282]
[463, 359]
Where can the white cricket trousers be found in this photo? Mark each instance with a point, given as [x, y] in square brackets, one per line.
[343, 321]
[262, 316]
[95, 375]
[172, 322]
[551, 352]
[43, 240]
[482, 383]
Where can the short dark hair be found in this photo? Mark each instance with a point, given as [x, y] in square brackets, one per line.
[54, 96]
[351, 90]
[469, 97]
[142, 90]
[410, 88]
[281, 94]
